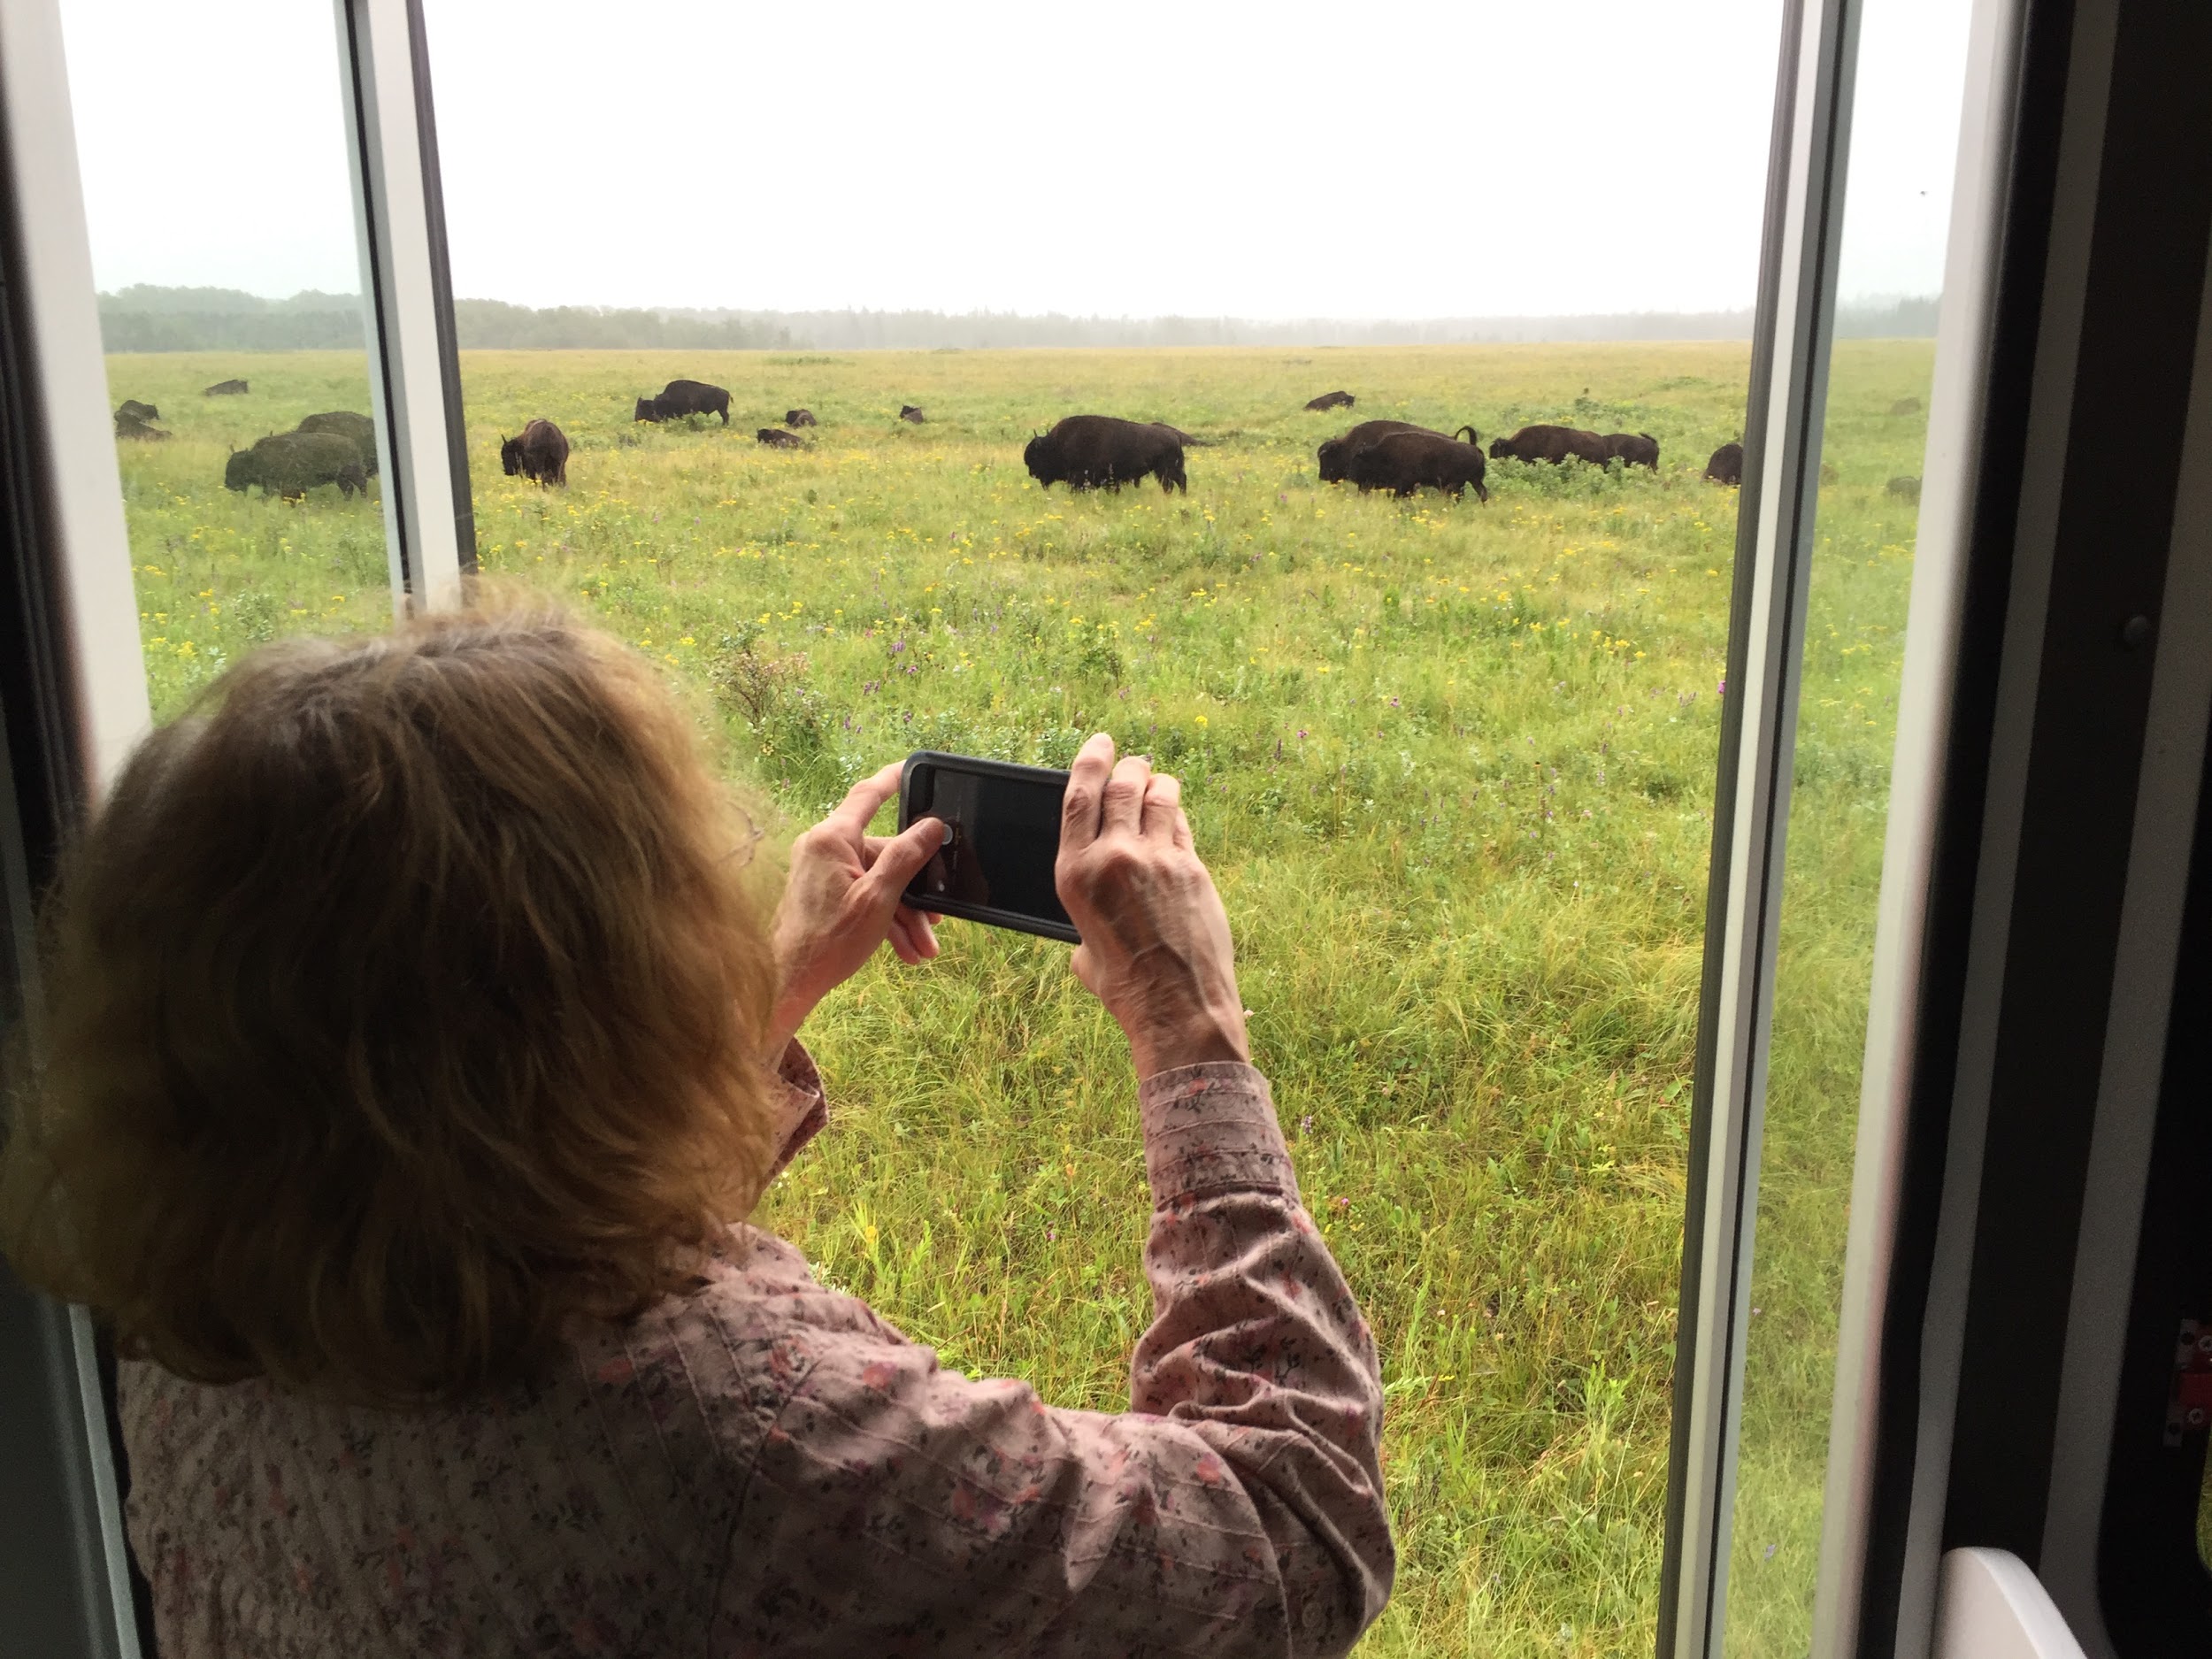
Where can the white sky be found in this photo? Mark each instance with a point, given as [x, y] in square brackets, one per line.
[1429, 158]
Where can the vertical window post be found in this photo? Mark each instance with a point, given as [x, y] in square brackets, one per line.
[1782, 436]
[72, 705]
[407, 291]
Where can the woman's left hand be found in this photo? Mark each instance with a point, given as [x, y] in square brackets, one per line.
[843, 900]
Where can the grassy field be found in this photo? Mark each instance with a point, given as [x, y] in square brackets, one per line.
[1453, 765]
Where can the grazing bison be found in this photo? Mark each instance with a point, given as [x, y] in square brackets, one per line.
[129, 425]
[358, 430]
[777, 438]
[907, 411]
[1335, 454]
[1332, 400]
[797, 417]
[1084, 452]
[541, 454]
[1403, 462]
[290, 464]
[1553, 444]
[136, 410]
[1634, 449]
[225, 389]
[679, 398]
[1727, 466]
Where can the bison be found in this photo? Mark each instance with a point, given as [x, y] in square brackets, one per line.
[1727, 466]
[226, 388]
[130, 426]
[1634, 449]
[1336, 453]
[290, 464]
[541, 454]
[907, 411]
[1551, 444]
[358, 430]
[797, 417]
[1403, 462]
[679, 398]
[777, 438]
[1084, 452]
[136, 410]
[1332, 400]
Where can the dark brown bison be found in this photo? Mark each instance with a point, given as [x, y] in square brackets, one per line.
[290, 464]
[679, 398]
[1551, 444]
[1084, 452]
[541, 454]
[1634, 449]
[1403, 462]
[777, 438]
[907, 411]
[797, 417]
[225, 389]
[358, 430]
[1335, 455]
[130, 426]
[1727, 466]
[136, 410]
[1332, 400]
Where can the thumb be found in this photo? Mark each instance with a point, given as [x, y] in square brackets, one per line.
[900, 861]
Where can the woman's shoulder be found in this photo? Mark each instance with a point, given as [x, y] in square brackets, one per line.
[753, 1286]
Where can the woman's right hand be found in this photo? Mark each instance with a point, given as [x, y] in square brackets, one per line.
[1155, 941]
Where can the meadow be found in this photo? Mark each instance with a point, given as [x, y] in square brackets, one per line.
[1452, 764]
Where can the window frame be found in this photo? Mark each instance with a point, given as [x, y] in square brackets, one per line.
[96, 686]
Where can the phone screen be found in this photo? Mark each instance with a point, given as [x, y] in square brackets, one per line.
[1001, 837]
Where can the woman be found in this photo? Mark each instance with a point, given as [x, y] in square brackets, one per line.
[412, 1046]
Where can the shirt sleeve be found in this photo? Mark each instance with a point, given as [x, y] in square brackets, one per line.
[802, 1108]
[1237, 1509]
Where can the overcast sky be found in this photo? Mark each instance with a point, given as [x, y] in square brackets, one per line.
[1426, 159]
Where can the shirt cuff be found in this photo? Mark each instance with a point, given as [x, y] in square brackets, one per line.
[799, 1106]
[1211, 1128]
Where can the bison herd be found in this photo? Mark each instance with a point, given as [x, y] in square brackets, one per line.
[1103, 451]
[1082, 451]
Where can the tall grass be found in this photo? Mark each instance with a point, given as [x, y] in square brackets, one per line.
[1453, 765]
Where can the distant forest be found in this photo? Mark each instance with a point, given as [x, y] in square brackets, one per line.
[148, 318]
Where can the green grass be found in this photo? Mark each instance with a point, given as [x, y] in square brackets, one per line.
[1452, 764]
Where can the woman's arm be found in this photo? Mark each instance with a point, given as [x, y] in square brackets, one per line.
[1236, 1511]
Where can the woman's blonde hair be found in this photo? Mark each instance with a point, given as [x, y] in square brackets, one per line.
[404, 1002]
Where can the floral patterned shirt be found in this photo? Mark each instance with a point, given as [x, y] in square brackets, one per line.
[762, 1466]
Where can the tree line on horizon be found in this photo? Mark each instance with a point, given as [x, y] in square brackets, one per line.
[146, 317]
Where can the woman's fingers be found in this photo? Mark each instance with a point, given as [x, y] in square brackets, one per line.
[865, 800]
[1123, 805]
[1086, 782]
[1163, 801]
[899, 861]
[918, 928]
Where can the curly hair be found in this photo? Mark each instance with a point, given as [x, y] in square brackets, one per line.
[404, 1004]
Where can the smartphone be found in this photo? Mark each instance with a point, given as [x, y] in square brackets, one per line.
[1002, 838]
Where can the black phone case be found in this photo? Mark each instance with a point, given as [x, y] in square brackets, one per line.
[1014, 920]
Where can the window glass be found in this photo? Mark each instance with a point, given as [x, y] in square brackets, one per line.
[1452, 762]
[217, 191]
[1904, 129]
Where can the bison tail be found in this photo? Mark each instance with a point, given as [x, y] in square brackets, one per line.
[1473, 435]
